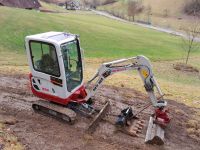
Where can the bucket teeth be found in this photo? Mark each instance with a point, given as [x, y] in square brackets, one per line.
[134, 129]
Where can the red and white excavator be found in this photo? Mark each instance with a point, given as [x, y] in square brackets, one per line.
[56, 65]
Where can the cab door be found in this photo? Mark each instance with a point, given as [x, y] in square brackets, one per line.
[46, 75]
[73, 64]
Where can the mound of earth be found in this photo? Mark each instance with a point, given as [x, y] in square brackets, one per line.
[36, 131]
[185, 68]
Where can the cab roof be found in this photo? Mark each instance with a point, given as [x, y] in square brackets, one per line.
[52, 36]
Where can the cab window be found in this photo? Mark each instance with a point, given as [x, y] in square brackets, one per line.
[44, 58]
[72, 63]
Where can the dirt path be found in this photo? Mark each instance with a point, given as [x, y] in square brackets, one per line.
[41, 132]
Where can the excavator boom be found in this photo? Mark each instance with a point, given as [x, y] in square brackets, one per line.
[139, 63]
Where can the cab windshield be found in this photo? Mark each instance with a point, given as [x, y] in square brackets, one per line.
[72, 63]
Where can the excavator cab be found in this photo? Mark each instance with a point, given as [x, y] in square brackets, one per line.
[55, 61]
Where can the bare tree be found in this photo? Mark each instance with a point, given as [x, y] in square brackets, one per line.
[149, 13]
[134, 7]
[90, 3]
[165, 12]
[189, 43]
[85, 3]
[94, 3]
[192, 7]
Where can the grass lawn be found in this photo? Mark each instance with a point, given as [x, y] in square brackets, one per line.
[101, 37]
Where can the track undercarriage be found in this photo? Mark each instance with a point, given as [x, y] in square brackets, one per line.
[54, 110]
[68, 114]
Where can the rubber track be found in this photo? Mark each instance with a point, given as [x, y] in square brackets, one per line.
[54, 110]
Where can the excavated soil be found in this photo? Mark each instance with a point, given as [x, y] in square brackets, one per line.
[36, 131]
[185, 68]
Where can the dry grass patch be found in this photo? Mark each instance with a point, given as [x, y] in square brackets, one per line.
[193, 124]
[193, 128]
[13, 70]
[8, 141]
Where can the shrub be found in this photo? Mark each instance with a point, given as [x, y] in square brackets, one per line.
[193, 8]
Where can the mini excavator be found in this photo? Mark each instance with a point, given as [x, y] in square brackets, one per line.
[56, 65]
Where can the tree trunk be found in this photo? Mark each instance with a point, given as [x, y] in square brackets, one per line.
[188, 55]
[133, 18]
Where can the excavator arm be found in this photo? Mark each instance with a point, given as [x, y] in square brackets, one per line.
[139, 63]
[159, 119]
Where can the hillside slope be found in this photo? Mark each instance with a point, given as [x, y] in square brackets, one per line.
[165, 13]
[54, 1]
[101, 37]
[174, 7]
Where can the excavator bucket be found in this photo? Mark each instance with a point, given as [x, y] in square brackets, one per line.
[98, 117]
[155, 134]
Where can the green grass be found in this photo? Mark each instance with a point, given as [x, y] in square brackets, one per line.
[100, 37]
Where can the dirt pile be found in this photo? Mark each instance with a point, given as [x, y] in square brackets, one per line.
[185, 68]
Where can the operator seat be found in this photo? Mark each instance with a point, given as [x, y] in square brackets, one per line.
[47, 63]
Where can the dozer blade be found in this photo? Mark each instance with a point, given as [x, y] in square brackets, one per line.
[99, 116]
[54, 110]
